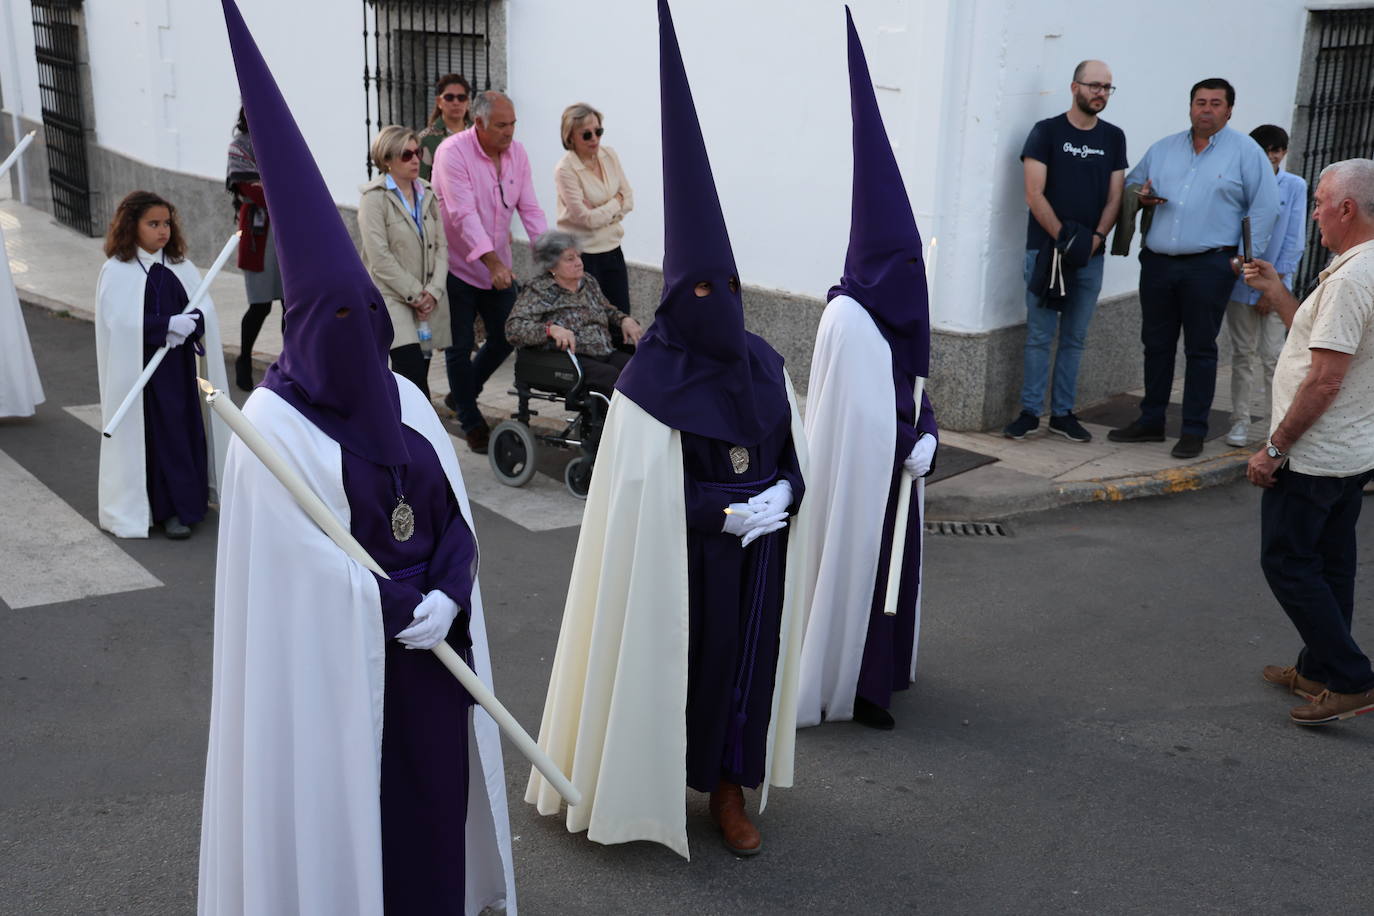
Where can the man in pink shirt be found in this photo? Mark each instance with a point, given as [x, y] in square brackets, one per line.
[480, 175]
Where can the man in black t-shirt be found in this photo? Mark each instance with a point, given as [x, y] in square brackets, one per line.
[1075, 168]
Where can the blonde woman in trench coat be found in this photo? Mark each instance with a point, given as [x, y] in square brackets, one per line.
[406, 252]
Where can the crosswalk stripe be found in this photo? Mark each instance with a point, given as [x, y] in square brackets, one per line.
[88, 414]
[51, 553]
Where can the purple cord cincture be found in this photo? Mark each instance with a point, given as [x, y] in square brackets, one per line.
[410, 572]
[744, 679]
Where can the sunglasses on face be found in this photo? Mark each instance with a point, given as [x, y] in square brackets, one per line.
[454, 96]
[587, 134]
[408, 154]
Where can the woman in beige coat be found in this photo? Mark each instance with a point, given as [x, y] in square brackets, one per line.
[406, 252]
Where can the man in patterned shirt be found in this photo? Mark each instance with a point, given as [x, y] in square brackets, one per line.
[564, 309]
[1320, 451]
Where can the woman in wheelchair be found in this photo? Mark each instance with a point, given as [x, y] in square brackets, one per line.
[564, 309]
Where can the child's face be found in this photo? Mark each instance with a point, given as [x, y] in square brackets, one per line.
[1276, 157]
[154, 229]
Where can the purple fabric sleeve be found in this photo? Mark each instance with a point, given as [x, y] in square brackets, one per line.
[398, 605]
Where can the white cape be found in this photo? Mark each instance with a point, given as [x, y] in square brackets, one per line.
[851, 425]
[123, 489]
[614, 718]
[291, 820]
[20, 390]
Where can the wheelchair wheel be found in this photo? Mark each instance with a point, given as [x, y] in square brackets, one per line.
[577, 476]
[511, 453]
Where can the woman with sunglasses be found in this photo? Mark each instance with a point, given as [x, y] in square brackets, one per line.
[406, 252]
[452, 96]
[593, 198]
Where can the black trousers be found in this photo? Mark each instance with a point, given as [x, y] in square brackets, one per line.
[1186, 293]
[1308, 554]
[411, 362]
[609, 269]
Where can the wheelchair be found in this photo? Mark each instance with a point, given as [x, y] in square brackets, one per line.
[513, 450]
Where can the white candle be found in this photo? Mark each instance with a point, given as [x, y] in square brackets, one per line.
[931, 251]
[18, 150]
[322, 516]
[894, 561]
[201, 292]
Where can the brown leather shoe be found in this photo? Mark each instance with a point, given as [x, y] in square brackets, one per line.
[478, 439]
[1289, 679]
[727, 811]
[1331, 707]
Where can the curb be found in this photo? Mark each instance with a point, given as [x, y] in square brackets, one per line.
[1040, 495]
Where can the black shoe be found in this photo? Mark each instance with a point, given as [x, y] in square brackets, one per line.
[1188, 446]
[1069, 427]
[176, 531]
[243, 372]
[1136, 433]
[1026, 423]
[872, 715]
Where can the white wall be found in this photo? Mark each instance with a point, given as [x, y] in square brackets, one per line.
[16, 19]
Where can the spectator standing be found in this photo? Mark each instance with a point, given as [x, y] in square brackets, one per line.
[452, 96]
[1321, 451]
[593, 197]
[257, 253]
[1256, 329]
[480, 175]
[406, 253]
[1075, 168]
[1196, 186]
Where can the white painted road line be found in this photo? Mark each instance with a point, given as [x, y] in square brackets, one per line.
[88, 414]
[49, 553]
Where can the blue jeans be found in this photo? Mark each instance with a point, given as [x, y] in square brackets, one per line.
[1309, 558]
[1072, 325]
[466, 374]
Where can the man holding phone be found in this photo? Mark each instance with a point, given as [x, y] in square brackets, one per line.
[1200, 183]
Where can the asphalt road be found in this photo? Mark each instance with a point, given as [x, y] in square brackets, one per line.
[1088, 733]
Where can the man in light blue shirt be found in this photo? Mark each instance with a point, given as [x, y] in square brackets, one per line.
[1257, 332]
[1197, 186]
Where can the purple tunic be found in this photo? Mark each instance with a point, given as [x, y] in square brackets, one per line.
[424, 791]
[173, 430]
[890, 642]
[735, 608]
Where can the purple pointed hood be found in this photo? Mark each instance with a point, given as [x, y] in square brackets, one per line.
[697, 368]
[884, 270]
[333, 363]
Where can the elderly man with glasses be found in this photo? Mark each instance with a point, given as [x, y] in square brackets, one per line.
[482, 176]
[1075, 166]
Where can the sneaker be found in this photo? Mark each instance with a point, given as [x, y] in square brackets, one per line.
[1239, 434]
[1069, 427]
[1026, 423]
[1188, 445]
[176, 529]
[1137, 433]
[1328, 707]
[1293, 682]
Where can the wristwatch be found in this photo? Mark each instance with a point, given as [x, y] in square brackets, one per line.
[1099, 235]
[1272, 450]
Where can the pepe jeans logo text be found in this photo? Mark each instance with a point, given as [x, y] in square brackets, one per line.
[1082, 152]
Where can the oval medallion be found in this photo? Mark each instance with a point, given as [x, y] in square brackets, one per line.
[739, 459]
[402, 521]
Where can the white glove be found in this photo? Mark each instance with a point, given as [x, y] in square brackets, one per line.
[433, 616]
[773, 500]
[748, 523]
[179, 327]
[917, 464]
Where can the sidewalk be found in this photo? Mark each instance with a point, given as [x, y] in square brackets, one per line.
[56, 268]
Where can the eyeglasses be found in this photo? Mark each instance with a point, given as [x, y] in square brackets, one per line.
[1096, 88]
[587, 134]
[408, 154]
[454, 96]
